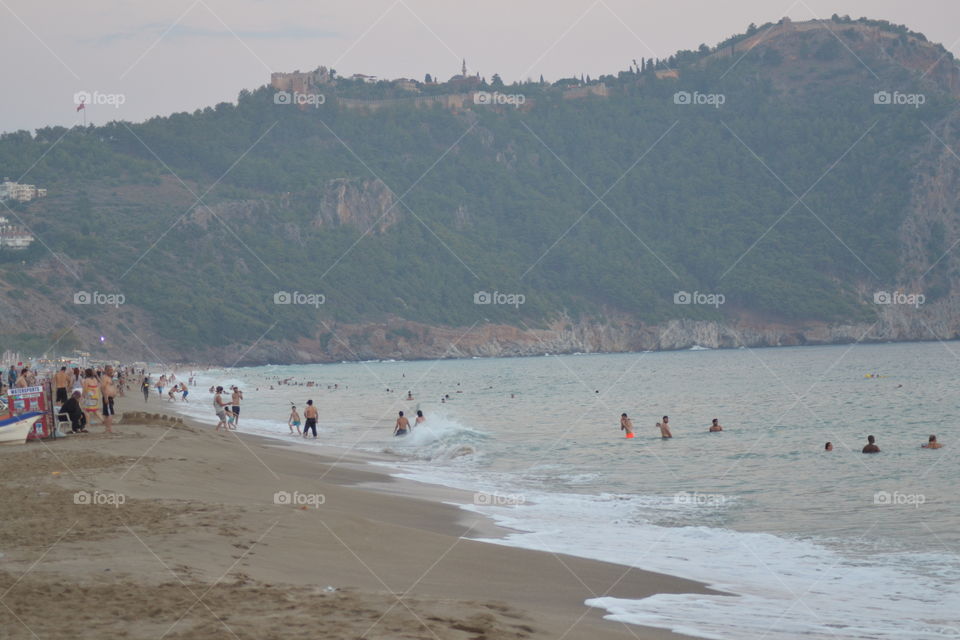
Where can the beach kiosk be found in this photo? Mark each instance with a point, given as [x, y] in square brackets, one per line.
[30, 400]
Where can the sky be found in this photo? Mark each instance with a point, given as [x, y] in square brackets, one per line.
[138, 60]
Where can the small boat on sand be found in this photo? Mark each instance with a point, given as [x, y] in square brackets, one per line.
[15, 430]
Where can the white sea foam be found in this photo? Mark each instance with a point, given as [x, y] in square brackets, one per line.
[784, 588]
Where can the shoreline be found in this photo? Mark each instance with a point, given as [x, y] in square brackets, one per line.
[199, 510]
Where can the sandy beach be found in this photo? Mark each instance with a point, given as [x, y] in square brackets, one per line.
[171, 530]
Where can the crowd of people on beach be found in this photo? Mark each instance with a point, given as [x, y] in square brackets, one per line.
[84, 396]
[80, 396]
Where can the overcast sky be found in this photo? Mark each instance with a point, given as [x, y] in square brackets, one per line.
[180, 55]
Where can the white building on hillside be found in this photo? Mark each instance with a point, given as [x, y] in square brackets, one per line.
[13, 236]
[20, 192]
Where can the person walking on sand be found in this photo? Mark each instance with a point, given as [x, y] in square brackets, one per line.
[219, 407]
[145, 387]
[294, 420]
[92, 401]
[665, 428]
[311, 415]
[108, 392]
[402, 427]
[235, 399]
[626, 425]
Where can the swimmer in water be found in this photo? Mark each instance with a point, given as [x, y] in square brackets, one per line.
[402, 427]
[626, 425]
[715, 426]
[409, 395]
[828, 446]
[932, 443]
[420, 419]
[871, 446]
[665, 428]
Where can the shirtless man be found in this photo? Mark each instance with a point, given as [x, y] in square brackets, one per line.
[932, 443]
[402, 427]
[60, 382]
[871, 446]
[235, 399]
[715, 426]
[310, 414]
[108, 392]
[665, 428]
[626, 424]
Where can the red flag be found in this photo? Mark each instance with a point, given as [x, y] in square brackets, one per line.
[82, 105]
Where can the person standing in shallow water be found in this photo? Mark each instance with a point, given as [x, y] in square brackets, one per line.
[420, 419]
[871, 446]
[665, 428]
[311, 415]
[294, 420]
[402, 427]
[626, 425]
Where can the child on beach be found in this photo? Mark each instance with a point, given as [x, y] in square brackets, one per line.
[294, 420]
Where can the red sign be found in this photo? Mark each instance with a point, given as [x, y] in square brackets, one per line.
[27, 399]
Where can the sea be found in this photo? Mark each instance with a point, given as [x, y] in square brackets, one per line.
[808, 543]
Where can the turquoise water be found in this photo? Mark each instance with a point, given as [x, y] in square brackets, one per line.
[817, 544]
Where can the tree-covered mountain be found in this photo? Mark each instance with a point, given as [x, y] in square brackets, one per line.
[795, 170]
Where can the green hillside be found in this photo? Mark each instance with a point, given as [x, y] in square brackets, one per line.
[695, 197]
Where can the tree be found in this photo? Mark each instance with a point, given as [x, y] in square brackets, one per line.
[428, 79]
[496, 82]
